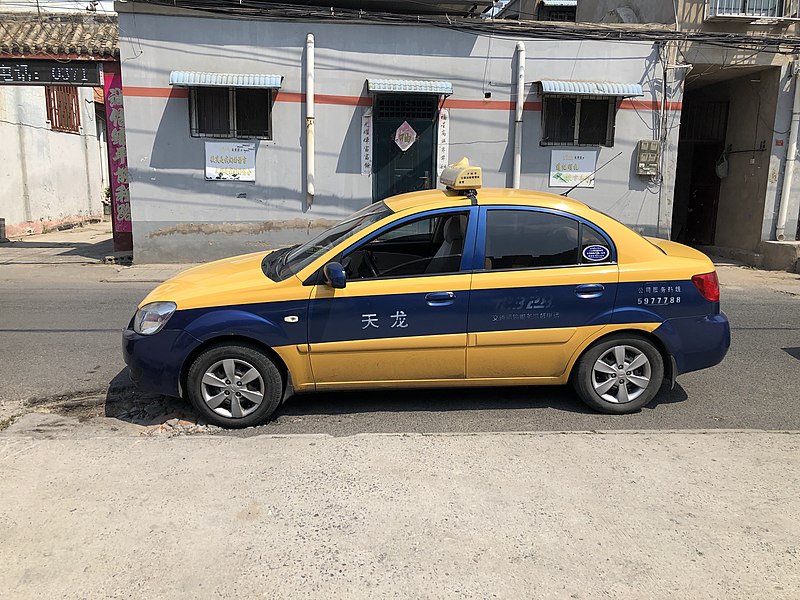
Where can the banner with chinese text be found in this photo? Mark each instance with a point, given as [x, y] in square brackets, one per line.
[117, 149]
[230, 161]
[570, 168]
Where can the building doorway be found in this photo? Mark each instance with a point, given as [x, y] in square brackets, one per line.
[697, 185]
[404, 143]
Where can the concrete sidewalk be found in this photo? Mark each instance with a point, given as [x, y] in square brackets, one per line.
[583, 515]
[87, 244]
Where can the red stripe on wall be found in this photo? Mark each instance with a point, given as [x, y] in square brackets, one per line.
[149, 92]
[490, 104]
[179, 92]
[649, 105]
[325, 99]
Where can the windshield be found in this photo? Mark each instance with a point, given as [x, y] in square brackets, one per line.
[300, 257]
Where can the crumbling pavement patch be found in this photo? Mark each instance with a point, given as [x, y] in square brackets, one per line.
[121, 406]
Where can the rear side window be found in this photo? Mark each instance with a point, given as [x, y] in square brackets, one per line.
[524, 239]
[594, 247]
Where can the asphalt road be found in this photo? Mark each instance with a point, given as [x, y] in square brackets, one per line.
[60, 330]
[60, 335]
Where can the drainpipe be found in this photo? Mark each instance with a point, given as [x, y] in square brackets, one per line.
[518, 115]
[791, 158]
[309, 119]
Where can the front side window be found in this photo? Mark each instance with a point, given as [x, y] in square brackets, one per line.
[63, 108]
[578, 121]
[431, 245]
[219, 112]
[525, 239]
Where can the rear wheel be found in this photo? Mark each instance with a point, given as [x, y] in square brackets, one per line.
[234, 386]
[619, 374]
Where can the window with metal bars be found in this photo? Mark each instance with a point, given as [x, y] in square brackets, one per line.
[63, 108]
[551, 13]
[218, 112]
[578, 121]
[406, 107]
[567, 16]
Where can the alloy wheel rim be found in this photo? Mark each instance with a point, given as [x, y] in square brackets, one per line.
[621, 374]
[232, 388]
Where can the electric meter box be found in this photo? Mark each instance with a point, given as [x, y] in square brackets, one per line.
[647, 157]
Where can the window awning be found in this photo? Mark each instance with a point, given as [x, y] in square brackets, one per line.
[410, 86]
[573, 3]
[592, 88]
[237, 80]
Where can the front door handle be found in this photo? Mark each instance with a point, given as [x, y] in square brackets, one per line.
[440, 298]
[590, 290]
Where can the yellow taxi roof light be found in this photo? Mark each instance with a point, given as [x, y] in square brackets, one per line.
[461, 176]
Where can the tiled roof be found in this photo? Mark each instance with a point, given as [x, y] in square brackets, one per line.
[89, 35]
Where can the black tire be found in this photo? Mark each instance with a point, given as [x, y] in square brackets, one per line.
[270, 385]
[584, 376]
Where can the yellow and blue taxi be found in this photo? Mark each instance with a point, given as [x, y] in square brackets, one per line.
[438, 288]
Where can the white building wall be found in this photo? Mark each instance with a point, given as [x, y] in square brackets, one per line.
[47, 178]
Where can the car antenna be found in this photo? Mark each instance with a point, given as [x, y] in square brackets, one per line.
[590, 175]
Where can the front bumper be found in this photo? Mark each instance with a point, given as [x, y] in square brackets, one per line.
[696, 342]
[155, 361]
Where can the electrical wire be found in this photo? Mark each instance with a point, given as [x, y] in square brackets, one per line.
[276, 11]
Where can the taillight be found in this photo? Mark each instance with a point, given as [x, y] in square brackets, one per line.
[708, 285]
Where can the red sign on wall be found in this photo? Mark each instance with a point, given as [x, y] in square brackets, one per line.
[117, 149]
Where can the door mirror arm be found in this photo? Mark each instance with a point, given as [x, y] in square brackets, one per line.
[335, 276]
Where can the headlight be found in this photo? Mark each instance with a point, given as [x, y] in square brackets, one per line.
[152, 317]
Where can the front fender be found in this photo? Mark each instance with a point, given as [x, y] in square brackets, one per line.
[224, 322]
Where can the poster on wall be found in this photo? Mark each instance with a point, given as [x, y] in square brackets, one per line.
[572, 167]
[227, 161]
[117, 156]
[366, 143]
[443, 153]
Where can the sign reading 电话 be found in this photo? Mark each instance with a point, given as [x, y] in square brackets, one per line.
[571, 167]
[227, 161]
[41, 72]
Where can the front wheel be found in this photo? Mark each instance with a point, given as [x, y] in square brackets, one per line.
[234, 386]
[619, 374]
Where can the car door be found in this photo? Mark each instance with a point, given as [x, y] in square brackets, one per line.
[402, 316]
[543, 282]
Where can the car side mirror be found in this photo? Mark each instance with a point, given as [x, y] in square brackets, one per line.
[335, 275]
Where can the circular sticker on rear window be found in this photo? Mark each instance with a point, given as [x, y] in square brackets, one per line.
[596, 253]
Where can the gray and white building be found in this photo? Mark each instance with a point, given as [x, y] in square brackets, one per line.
[218, 109]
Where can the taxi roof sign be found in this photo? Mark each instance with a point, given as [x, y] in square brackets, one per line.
[461, 176]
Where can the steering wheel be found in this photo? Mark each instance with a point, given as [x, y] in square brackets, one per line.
[370, 262]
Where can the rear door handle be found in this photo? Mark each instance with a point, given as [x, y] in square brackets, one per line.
[590, 290]
[440, 298]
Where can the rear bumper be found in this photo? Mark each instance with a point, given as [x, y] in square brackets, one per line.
[696, 342]
[155, 361]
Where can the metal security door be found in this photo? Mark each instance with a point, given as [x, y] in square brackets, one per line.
[403, 143]
[702, 143]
